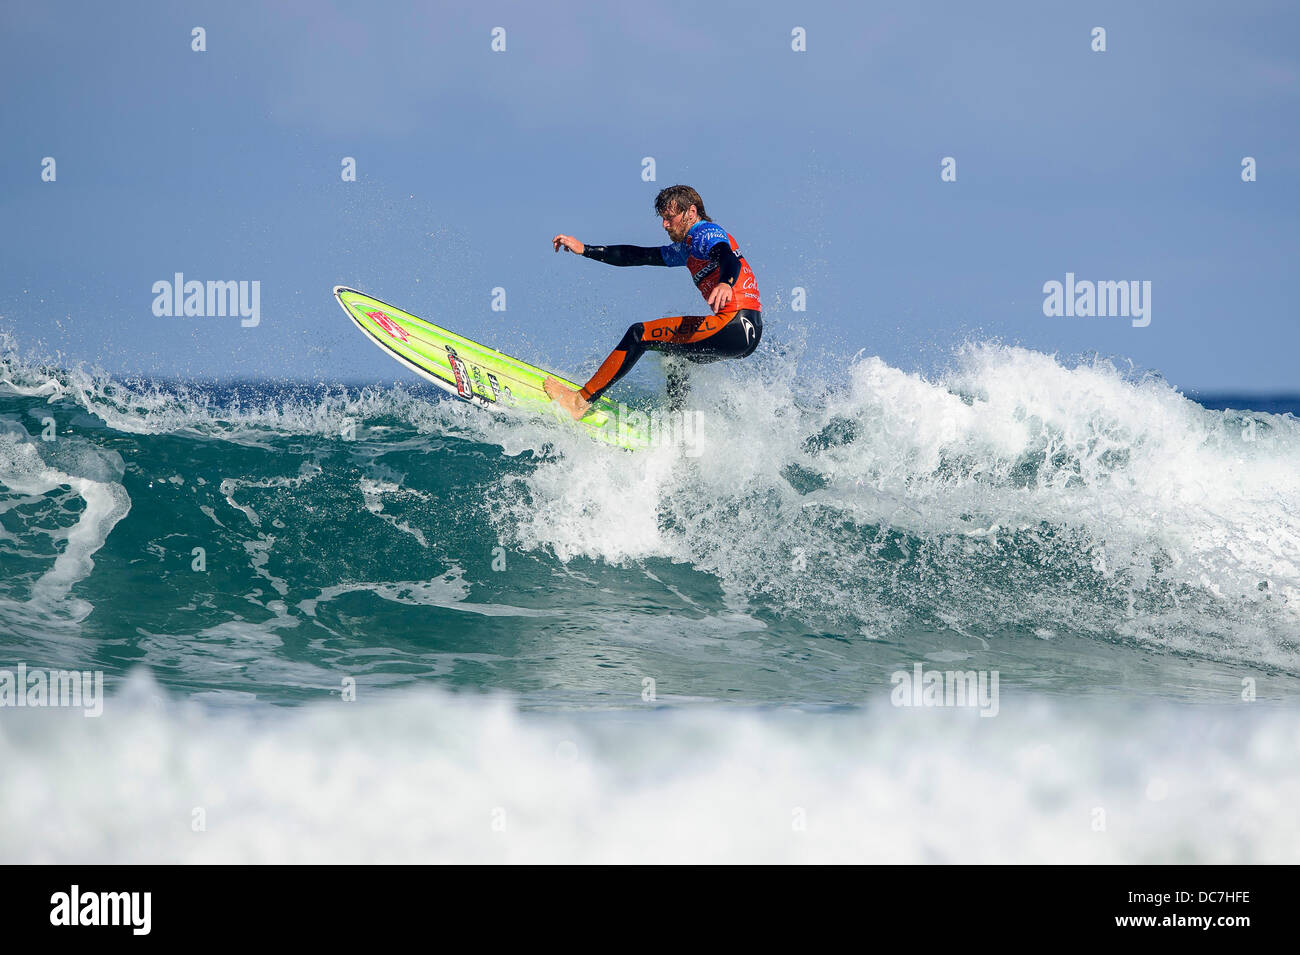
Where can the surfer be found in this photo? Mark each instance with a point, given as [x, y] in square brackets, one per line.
[721, 274]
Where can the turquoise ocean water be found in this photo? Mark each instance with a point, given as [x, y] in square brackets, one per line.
[372, 623]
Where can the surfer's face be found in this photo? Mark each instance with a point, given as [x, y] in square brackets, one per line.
[677, 224]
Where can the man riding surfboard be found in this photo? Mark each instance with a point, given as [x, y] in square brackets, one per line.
[719, 271]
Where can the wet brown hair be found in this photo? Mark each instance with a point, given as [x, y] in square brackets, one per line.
[683, 197]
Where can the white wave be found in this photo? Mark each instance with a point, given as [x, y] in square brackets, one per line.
[431, 777]
[373, 492]
[26, 477]
[1000, 485]
[144, 406]
[449, 592]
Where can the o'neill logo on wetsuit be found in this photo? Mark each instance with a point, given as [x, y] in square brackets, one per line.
[387, 324]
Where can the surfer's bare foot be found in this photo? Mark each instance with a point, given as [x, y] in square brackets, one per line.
[570, 401]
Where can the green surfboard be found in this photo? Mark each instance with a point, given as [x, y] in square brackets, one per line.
[477, 373]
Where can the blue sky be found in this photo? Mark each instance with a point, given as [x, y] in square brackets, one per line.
[825, 165]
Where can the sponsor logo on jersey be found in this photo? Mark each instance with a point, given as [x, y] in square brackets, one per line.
[387, 324]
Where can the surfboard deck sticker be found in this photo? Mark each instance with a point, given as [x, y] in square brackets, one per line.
[474, 372]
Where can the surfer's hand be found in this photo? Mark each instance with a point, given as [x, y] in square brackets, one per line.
[570, 243]
[720, 296]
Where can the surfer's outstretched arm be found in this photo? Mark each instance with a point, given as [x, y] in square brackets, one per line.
[625, 254]
[613, 254]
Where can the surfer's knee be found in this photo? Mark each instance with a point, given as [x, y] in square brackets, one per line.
[632, 336]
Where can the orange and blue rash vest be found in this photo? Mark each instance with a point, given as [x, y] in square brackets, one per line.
[708, 251]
